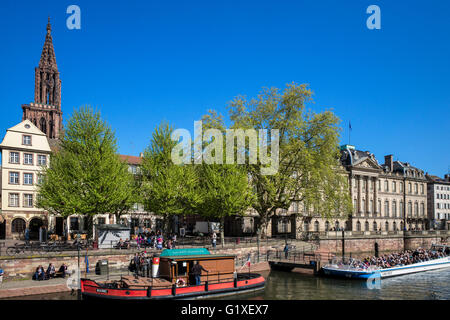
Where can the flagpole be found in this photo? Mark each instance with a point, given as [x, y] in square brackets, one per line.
[349, 132]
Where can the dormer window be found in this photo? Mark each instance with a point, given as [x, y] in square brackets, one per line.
[26, 140]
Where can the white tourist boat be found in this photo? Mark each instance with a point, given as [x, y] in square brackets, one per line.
[345, 271]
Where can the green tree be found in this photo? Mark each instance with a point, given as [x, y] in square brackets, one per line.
[225, 192]
[225, 188]
[85, 176]
[168, 189]
[309, 168]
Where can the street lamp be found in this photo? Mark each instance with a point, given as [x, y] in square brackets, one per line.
[79, 270]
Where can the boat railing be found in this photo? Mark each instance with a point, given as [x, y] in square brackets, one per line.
[211, 278]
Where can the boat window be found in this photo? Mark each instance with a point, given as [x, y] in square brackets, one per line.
[182, 268]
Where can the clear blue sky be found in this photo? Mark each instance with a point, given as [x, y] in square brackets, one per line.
[142, 62]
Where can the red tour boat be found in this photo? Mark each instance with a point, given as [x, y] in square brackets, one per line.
[172, 278]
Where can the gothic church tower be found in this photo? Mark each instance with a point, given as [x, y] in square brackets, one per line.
[46, 112]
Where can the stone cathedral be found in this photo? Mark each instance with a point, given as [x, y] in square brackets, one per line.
[45, 112]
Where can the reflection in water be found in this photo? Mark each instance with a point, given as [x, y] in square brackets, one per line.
[428, 285]
[295, 286]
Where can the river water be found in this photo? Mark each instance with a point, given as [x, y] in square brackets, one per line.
[430, 285]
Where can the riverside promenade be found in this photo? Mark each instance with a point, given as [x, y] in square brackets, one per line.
[19, 269]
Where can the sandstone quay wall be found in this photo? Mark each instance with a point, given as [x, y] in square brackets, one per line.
[24, 267]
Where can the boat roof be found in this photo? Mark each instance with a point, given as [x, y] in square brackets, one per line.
[191, 253]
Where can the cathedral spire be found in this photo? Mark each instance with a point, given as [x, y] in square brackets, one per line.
[46, 112]
[48, 58]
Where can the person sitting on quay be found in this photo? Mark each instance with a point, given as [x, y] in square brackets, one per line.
[62, 270]
[39, 274]
[51, 272]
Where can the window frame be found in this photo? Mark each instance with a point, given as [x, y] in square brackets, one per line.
[18, 157]
[27, 136]
[18, 178]
[10, 197]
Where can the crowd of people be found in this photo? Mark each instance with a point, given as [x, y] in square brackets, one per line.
[41, 274]
[150, 239]
[140, 264]
[398, 259]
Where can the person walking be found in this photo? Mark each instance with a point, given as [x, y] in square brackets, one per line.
[137, 264]
[197, 271]
[27, 234]
[286, 251]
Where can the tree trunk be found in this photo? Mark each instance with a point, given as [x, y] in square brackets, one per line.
[90, 225]
[166, 226]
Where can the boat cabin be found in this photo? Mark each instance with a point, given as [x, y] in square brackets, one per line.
[176, 265]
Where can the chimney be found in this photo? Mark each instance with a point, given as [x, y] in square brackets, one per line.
[389, 162]
[447, 177]
[141, 155]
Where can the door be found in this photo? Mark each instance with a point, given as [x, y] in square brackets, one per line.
[3, 230]
[59, 226]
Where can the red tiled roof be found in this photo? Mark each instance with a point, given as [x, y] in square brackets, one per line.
[130, 159]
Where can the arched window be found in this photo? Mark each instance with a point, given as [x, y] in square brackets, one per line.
[374, 226]
[358, 226]
[327, 226]
[401, 209]
[416, 188]
[336, 224]
[316, 226]
[50, 128]
[43, 125]
[386, 208]
[366, 226]
[306, 226]
[18, 225]
[416, 209]
[386, 226]
[394, 209]
[394, 226]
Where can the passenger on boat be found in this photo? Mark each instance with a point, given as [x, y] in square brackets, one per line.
[197, 271]
[397, 259]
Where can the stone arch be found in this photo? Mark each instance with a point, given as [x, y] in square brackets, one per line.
[18, 225]
[34, 226]
[43, 125]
